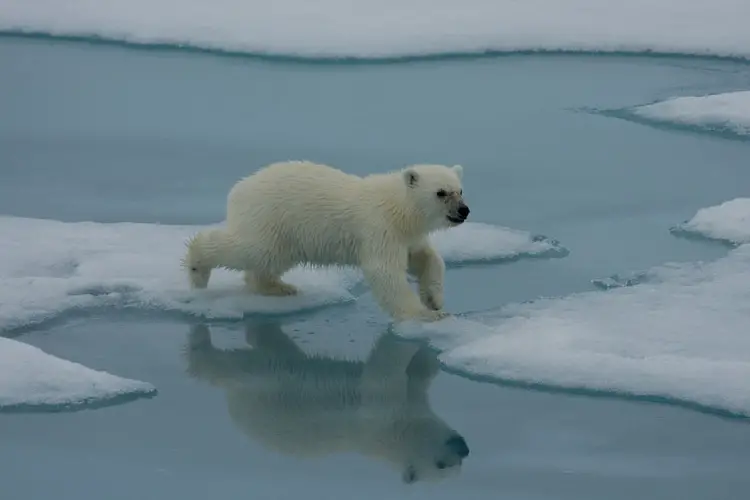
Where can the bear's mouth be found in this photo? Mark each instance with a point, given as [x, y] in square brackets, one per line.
[455, 220]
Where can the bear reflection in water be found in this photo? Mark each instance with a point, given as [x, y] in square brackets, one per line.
[311, 405]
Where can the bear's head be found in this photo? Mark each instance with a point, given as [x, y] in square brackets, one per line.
[432, 450]
[437, 193]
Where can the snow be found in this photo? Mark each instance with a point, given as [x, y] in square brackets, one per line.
[49, 268]
[728, 112]
[29, 377]
[729, 221]
[680, 335]
[484, 243]
[396, 28]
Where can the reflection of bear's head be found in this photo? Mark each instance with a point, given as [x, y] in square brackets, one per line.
[433, 450]
[311, 405]
[437, 191]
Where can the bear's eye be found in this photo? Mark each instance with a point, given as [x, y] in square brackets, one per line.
[442, 193]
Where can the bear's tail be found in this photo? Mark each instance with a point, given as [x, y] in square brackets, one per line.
[204, 253]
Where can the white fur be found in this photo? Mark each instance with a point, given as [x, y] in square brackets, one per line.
[294, 213]
[310, 405]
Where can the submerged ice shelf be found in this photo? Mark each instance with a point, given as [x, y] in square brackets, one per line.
[390, 28]
[48, 268]
[676, 332]
[32, 380]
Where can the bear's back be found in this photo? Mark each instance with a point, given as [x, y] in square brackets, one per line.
[314, 212]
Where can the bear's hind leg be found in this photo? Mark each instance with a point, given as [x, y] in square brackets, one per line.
[267, 284]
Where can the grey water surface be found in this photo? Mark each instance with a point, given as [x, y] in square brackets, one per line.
[103, 133]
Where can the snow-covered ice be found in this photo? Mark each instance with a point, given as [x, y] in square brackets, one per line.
[729, 221]
[477, 242]
[395, 28]
[49, 267]
[681, 334]
[31, 378]
[727, 112]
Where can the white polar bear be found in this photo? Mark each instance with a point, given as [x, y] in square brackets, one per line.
[294, 213]
[309, 405]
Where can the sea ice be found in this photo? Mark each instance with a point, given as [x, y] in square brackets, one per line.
[396, 28]
[729, 112]
[478, 243]
[680, 335]
[729, 221]
[48, 268]
[31, 378]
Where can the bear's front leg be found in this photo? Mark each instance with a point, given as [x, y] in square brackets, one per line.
[204, 361]
[384, 374]
[268, 285]
[429, 269]
[392, 291]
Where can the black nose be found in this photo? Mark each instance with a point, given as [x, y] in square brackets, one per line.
[463, 211]
[458, 445]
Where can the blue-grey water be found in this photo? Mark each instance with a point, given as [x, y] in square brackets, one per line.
[103, 133]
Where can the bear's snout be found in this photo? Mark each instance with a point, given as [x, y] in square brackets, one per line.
[458, 445]
[463, 210]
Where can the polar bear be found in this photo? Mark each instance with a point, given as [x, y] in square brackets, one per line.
[307, 405]
[300, 212]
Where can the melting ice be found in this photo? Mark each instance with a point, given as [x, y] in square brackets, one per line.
[48, 268]
[33, 379]
[681, 334]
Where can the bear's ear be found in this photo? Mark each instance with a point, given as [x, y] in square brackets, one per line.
[411, 177]
[409, 475]
[459, 170]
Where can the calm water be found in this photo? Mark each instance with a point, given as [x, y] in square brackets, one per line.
[111, 134]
